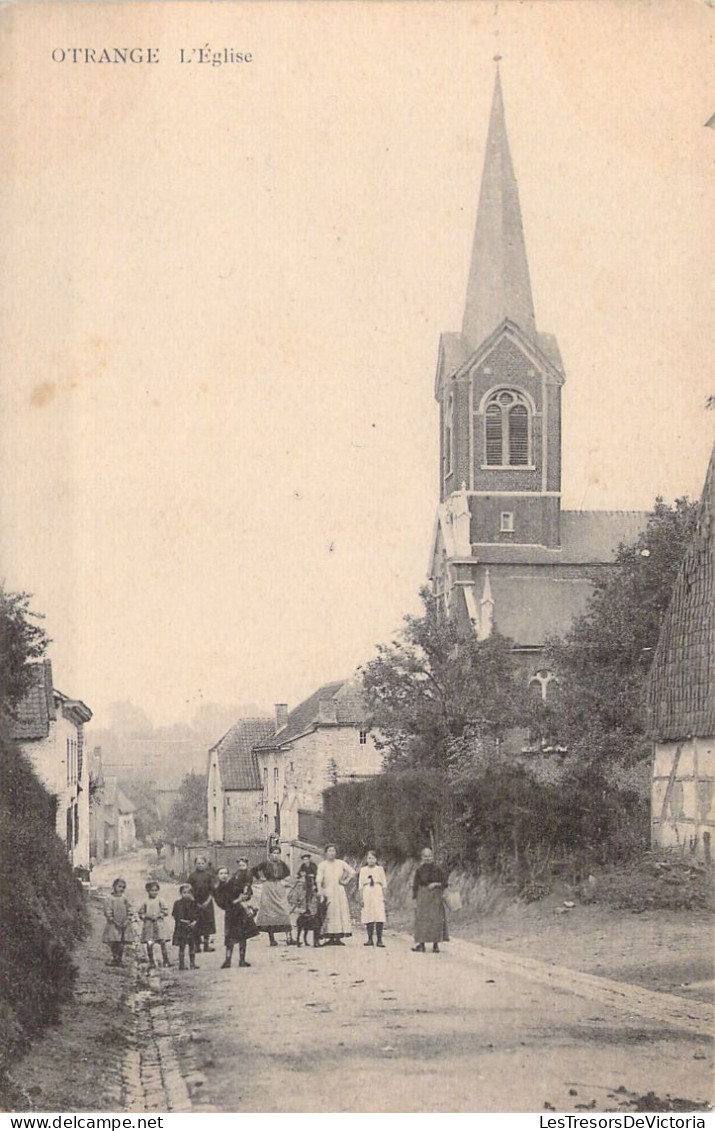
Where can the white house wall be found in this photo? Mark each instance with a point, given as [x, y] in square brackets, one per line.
[56, 765]
[296, 777]
[683, 814]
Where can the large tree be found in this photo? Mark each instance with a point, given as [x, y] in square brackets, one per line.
[436, 690]
[604, 660]
[22, 642]
[188, 816]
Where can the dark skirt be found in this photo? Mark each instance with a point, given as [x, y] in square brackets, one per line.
[239, 926]
[206, 920]
[430, 917]
[185, 934]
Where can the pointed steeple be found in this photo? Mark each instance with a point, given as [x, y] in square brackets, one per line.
[499, 286]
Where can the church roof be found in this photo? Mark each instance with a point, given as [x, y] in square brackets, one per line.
[499, 286]
[237, 762]
[594, 536]
[681, 690]
[350, 710]
[587, 538]
[529, 608]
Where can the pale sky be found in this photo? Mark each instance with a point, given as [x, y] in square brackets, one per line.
[223, 289]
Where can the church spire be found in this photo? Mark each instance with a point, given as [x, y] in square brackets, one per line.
[499, 285]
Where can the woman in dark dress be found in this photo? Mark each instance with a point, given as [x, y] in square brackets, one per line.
[430, 915]
[233, 896]
[202, 886]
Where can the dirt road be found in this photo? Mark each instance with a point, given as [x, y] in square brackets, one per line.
[357, 1029]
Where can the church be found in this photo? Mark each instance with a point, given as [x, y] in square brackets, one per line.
[505, 556]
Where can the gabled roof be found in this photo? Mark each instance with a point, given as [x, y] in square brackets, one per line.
[681, 689]
[349, 710]
[236, 758]
[37, 709]
[114, 797]
[456, 357]
[39, 706]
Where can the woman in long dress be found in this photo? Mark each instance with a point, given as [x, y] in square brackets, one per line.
[233, 895]
[372, 882]
[430, 915]
[274, 909]
[333, 875]
[202, 884]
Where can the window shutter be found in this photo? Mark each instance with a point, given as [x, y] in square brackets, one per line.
[494, 445]
[518, 435]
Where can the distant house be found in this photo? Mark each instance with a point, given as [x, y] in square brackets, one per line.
[96, 804]
[234, 793]
[324, 740]
[682, 698]
[49, 728]
[119, 830]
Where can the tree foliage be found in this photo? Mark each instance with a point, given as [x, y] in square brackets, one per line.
[436, 685]
[22, 642]
[603, 662]
[188, 818]
[395, 814]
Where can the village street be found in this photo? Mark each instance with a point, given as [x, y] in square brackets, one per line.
[358, 1029]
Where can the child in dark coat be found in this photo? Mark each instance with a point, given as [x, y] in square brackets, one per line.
[185, 914]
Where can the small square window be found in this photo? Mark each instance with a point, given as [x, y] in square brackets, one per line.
[507, 522]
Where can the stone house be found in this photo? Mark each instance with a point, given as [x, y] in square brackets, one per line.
[681, 698]
[324, 740]
[118, 818]
[234, 792]
[49, 728]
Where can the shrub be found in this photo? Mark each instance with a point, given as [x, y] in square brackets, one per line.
[41, 906]
[396, 814]
[501, 821]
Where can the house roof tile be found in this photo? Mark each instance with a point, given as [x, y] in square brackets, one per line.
[350, 710]
[237, 761]
[681, 688]
[37, 709]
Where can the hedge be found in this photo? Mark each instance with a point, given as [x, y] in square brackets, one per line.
[42, 906]
[499, 822]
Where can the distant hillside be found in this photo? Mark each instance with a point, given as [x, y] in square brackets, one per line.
[133, 748]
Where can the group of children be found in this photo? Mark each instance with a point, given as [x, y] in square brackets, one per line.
[193, 919]
[154, 914]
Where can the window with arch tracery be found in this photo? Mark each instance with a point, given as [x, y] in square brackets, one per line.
[508, 429]
[544, 685]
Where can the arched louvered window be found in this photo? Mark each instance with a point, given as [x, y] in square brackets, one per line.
[508, 429]
[494, 434]
[518, 429]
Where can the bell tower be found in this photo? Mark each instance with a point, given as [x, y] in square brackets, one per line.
[499, 381]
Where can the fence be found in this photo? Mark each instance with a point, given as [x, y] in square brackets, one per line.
[179, 859]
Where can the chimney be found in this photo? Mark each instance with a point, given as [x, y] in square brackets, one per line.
[281, 715]
[327, 711]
